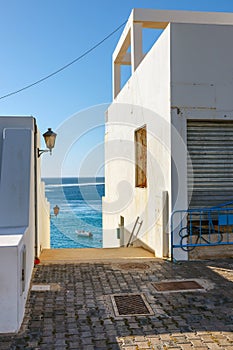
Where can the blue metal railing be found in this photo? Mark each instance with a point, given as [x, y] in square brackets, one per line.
[202, 227]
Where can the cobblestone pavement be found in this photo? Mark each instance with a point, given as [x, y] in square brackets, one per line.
[78, 313]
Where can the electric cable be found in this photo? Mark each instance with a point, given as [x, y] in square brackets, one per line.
[65, 66]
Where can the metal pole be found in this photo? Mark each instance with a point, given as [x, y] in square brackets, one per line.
[172, 241]
[132, 231]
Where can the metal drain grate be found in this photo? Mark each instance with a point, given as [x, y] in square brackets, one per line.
[134, 266]
[130, 305]
[175, 286]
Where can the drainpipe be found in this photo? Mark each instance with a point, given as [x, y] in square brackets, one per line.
[35, 187]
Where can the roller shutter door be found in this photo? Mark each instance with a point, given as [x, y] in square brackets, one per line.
[210, 178]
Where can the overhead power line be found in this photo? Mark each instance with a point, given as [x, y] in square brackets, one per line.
[63, 67]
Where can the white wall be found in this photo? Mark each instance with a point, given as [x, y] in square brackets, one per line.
[43, 209]
[145, 99]
[202, 88]
[43, 219]
[16, 179]
[202, 66]
[17, 217]
[8, 287]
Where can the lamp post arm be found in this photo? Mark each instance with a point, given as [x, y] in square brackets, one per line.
[41, 151]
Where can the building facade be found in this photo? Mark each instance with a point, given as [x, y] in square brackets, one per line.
[169, 129]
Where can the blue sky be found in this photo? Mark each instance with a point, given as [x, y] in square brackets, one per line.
[39, 37]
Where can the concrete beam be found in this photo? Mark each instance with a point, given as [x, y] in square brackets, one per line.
[124, 41]
[136, 45]
[126, 60]
[116, 79]
[160, 18]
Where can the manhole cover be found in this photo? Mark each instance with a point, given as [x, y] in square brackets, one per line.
[134, 266]
[171, 286]
[130, 304]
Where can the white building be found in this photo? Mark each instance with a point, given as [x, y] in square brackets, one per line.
[178, 96]
[24, 216]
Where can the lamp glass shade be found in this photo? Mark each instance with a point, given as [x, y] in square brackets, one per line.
[50, 137]
[56, 210]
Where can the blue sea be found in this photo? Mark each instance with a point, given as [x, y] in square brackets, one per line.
[80, 209]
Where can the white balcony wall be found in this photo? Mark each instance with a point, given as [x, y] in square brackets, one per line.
[144, 100]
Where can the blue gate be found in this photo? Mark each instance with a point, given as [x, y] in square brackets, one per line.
[202, 227]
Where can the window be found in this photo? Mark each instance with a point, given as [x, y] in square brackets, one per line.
[141, 157]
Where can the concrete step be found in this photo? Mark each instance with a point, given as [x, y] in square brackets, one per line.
[56, 256]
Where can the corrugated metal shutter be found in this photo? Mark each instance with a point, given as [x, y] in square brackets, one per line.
[210, 146]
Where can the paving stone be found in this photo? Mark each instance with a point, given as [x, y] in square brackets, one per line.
[214, 346]
[186, 346]
[5, 346]
[80, 314]
[100, 343]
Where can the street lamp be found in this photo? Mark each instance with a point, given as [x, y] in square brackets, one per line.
[56, 210]
[49, 137]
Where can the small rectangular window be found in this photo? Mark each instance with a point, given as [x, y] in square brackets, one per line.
[141, 157]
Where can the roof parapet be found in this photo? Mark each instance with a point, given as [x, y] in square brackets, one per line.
[157, 19]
